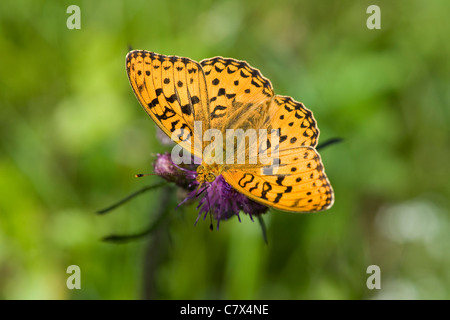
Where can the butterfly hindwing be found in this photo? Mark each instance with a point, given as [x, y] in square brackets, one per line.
[298, 185]
[295, 124]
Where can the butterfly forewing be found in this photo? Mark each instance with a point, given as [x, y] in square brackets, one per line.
[239, 95]
[173, 92]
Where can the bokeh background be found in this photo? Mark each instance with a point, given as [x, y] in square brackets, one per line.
[73, 135]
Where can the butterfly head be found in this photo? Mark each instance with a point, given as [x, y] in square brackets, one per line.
[207, 173]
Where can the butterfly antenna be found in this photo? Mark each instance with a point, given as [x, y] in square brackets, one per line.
[139, 175]
[131, 196]
[201, 191]
[329, 142]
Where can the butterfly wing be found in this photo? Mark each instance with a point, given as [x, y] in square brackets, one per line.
[172, 90]
[294, 123]
[298, 185]
[236, 89]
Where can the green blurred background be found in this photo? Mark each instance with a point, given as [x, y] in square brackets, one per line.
[73, 135]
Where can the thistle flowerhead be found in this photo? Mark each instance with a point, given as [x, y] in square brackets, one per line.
[216, 196]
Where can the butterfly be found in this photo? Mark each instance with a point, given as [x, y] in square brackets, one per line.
[222, 94]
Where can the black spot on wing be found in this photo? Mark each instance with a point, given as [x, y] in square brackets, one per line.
[217, 108]
[266, 188]
[280, 180]
[167, 114]
[153, 103]
[195, 100]
[184, 128]
[255, 84]
[253, 188]
[186, 109]
[247, 176]
[173, 124]
[277, 199]
[172, 98]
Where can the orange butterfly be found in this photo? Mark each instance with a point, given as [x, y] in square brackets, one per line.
[222, 94]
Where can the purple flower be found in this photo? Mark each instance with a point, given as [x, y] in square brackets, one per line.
[165, 168]
[216, 197]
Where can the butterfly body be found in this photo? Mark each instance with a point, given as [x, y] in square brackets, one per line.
[269, 155]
